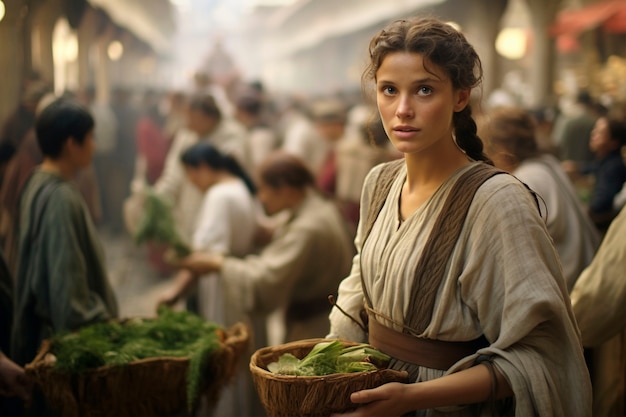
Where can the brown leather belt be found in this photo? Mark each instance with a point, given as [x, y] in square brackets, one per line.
[435, 354]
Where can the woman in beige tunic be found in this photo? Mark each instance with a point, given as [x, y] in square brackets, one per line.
[499, 293]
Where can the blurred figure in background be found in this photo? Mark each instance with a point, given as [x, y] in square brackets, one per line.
[226, 225]
[205, 123]
[261, 139]
[27, 156]
[174, 108]
[62, 282]
[299, 136]
[152, 142]
[599, 303]
[365, 146]
[510, 142]
[329, 116]
[607, 169]
[17, 125]
[303, 263]
[573, 127]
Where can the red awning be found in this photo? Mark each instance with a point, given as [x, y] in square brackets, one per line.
[610, 14]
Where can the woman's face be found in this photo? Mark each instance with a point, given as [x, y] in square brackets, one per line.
[199, 122]
[415, 105]
[601, 143]
[202, 177]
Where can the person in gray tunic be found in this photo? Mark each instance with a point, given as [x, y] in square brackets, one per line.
[61, 281]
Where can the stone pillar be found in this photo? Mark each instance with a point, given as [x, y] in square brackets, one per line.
[87, 37]
[483, 25]
[103, 65]
[11, 66]
[44, 19]
[541, 75]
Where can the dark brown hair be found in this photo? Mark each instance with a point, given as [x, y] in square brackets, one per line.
[283, 169]
[512, 129]
[442, 45]
[617, 130]
[206, 105]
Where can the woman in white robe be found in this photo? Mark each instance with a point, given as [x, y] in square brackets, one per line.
[225, 224]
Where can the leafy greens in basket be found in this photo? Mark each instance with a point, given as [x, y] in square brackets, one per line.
[331, 358]
[171, 334]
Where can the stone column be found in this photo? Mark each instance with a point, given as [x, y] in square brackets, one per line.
[103, 65]
[11, 64]
[483, 25]
[541, 76]
[44, 19]
[87, 36]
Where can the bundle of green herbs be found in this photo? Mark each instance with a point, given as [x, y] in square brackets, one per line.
[157, 225]
[331, 358]
[170, 334]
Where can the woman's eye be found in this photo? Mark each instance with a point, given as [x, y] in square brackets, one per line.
[388, 90]
[424, 91]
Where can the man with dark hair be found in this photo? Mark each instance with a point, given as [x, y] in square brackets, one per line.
[61, 282]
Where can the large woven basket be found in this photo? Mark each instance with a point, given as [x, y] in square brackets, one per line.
[291, 396]
[147, 387]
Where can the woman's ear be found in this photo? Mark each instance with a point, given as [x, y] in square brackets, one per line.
[462, 97]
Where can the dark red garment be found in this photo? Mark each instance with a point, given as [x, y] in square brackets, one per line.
[327, 177]
[153, 145]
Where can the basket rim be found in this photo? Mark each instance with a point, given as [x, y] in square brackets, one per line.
[254, 368]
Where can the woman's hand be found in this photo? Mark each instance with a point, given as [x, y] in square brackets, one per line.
[169, 297]
[202, 263]
[183, 281]
[13, 380]
[387, 400]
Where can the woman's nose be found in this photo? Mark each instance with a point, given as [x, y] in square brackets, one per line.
[405, 109]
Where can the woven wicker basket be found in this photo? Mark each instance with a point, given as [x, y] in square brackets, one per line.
[291, 396]
[147, 387]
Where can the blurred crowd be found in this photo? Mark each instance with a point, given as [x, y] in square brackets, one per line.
[265, 188]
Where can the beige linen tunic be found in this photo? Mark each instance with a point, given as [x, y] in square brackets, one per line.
[304, 262]
[575, 237]
[503, 280]
[598, 303]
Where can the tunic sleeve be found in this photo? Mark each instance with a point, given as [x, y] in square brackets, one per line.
[512, 281]
[264, 282]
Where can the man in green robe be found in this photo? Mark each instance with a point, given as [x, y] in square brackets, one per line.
[61, 281]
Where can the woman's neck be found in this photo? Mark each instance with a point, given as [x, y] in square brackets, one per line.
[225, 176]
[58, 167]
[431, 171]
